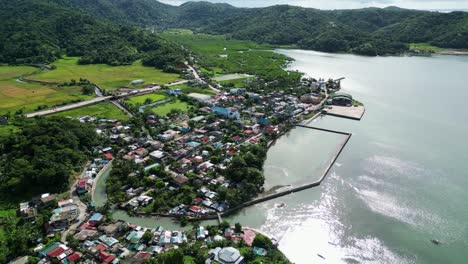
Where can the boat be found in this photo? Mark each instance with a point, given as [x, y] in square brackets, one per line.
[281, 205]
[436, 242]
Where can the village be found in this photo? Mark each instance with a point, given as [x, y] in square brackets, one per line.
[180, 168]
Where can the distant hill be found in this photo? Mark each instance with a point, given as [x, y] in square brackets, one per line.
[105, 30]
[368, 31]
[40, 31]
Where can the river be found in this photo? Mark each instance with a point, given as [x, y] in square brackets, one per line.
[400, 181]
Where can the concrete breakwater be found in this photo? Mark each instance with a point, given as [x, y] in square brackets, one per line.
[214, 216]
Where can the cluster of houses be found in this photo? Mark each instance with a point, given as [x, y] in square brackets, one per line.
[189, 146]
[102, 241]
[65, 212]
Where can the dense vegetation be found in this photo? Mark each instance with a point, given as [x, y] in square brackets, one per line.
[41, 31]
[368, 31]
[219, 55]
[42, 155]
[37, 31]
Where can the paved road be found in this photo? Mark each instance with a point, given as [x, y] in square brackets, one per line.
[197, 76]
[69, 107]
[97, 100]
[82, 207]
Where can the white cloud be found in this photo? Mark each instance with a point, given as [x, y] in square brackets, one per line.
[347, 4]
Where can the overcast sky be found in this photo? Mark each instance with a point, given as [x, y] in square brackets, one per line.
[347, 4]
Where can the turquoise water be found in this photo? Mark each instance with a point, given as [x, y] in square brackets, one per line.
[400, 181]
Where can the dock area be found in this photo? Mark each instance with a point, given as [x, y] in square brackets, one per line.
[351, 112]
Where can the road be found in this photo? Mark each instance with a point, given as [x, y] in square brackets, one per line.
[69, 107]
[82, 207]
[197, 76]
[98, 99]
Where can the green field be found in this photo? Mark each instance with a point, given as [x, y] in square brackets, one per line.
[107, 77]
[242, 56]
[140, 100]
[16, 95]
[103, 110]
[424, 47]
[187, 89]
[165, 109]
[238, 83]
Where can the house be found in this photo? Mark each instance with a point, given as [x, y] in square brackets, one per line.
[96, 219]
[200, 233]
[81, 187]
[179, 180]
[229, 112]
[227, 255]
[27, 212]
[113, 229]
[138, 81]
[341, 99]
[174, 92]
[249, 237]
[259, 251]
[108, 241]
[45, 200]
[157, 155]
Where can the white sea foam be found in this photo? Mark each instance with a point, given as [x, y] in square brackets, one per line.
[391, 166]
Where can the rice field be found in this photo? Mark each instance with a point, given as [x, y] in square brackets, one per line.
[107, 77]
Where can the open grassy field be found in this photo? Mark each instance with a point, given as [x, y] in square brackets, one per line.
[142, 98]
[238, 83]
[187, 89]
[15, 95]
[165, 109]
[220, 55]
[424, 47]
[103, 110]
[107, 77]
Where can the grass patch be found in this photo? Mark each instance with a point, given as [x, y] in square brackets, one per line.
[187, 89]
[238, 83]
[140, 100]
[103, 110]
[165, 109]
[107, 77]
[16, 95]
[10, 72]
[242, 56]
[424, 47]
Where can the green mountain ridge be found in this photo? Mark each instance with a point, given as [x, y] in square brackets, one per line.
[109, 31]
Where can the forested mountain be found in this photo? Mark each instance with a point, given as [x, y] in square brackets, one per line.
[369, 31]
[104, 31]
[38, 31]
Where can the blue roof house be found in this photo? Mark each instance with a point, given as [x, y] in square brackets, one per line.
[226, 112]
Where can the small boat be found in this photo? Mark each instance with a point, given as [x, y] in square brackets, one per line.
[436, 242]
[321, 256]
[281, 205]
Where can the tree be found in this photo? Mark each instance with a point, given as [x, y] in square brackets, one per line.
[147, 237]
[263, 242]
[238, 228]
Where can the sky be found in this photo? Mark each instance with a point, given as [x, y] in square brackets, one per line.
[442, 5]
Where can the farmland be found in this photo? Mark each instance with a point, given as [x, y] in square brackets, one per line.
[103, 110]
[107, 77]
[16, 95]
